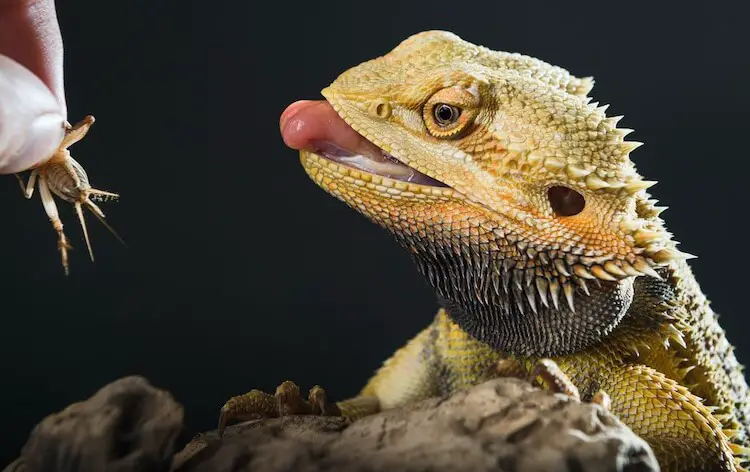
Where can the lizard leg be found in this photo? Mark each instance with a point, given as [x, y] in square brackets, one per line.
[286, 401]
[402, 378]
[553, 378]
[682, 431]
[547, 374]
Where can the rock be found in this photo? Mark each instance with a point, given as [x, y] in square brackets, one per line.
[501, 425]
[126, 426]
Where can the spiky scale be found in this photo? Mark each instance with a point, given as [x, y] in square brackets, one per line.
[594, 182]
[642, 266]
[614, 269]
[554, 164]
[506, 280]
[613, 120]
[530, 296]
[544, 258]
[623, 132]
[529, 276]
[645, 236]
[560, 267]
[629, 146]
[675, 334]
[519, 304]
[600, 273]
[554, 291]
[568, 291]
[575, 172]
[683, 371]
[582, 284]
[669, 254]
[739, 449]
[635, 351]
[638, 185]
[630, 270]
[496, 285]
[542, 288]
[582, 272]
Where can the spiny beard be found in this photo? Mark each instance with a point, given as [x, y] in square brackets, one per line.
[510, 309]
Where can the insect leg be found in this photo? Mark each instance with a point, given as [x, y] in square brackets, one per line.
[51, 208]
[28, 188]
[79, 212]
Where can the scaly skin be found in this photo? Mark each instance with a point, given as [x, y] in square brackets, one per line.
[525, 272]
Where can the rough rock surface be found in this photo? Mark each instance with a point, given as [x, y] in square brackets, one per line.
[501, 425]
[126, 426]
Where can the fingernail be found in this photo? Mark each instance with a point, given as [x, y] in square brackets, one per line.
[31, 119]
[42, 140]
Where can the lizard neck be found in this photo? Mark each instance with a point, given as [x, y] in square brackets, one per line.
[494, 305]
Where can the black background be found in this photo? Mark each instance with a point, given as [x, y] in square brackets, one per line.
[241, 273]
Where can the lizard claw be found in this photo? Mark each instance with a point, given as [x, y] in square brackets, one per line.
[317, 400]
[286, 401]
[252, 405]
[601, 398]
[223, 419]
[544, 373]
[548, 375]
[553, 378]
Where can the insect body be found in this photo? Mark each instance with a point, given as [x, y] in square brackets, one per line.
[63, 176]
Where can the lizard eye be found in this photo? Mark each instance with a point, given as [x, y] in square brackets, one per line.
[450, 112]
[446, 114]
[565, 201]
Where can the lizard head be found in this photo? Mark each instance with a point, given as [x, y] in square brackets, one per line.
[516, 195]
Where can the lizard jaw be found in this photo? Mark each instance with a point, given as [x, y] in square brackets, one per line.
[314, 127]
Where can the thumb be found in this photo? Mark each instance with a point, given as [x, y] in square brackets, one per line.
[31, 119]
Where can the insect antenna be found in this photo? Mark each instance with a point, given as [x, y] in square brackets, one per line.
[103, 193]
[79, 212]
[100, 216]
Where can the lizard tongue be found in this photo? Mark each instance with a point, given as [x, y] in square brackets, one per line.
[307, 123]
[315, 126]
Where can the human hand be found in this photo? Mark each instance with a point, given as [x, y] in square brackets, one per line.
[32, 99]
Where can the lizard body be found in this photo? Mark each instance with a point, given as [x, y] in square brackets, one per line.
[519, 203]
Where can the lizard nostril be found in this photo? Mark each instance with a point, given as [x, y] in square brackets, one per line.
[381, 108]
[565, 201]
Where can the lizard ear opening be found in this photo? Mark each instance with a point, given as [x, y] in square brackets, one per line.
[565, 201]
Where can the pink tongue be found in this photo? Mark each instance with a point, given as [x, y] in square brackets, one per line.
[308, 123]
[316, 127]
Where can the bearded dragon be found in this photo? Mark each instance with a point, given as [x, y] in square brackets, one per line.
[518, 200]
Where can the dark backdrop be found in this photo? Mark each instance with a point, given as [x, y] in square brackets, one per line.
[240, 272]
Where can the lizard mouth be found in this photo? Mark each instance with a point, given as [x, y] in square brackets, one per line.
[314, 126]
